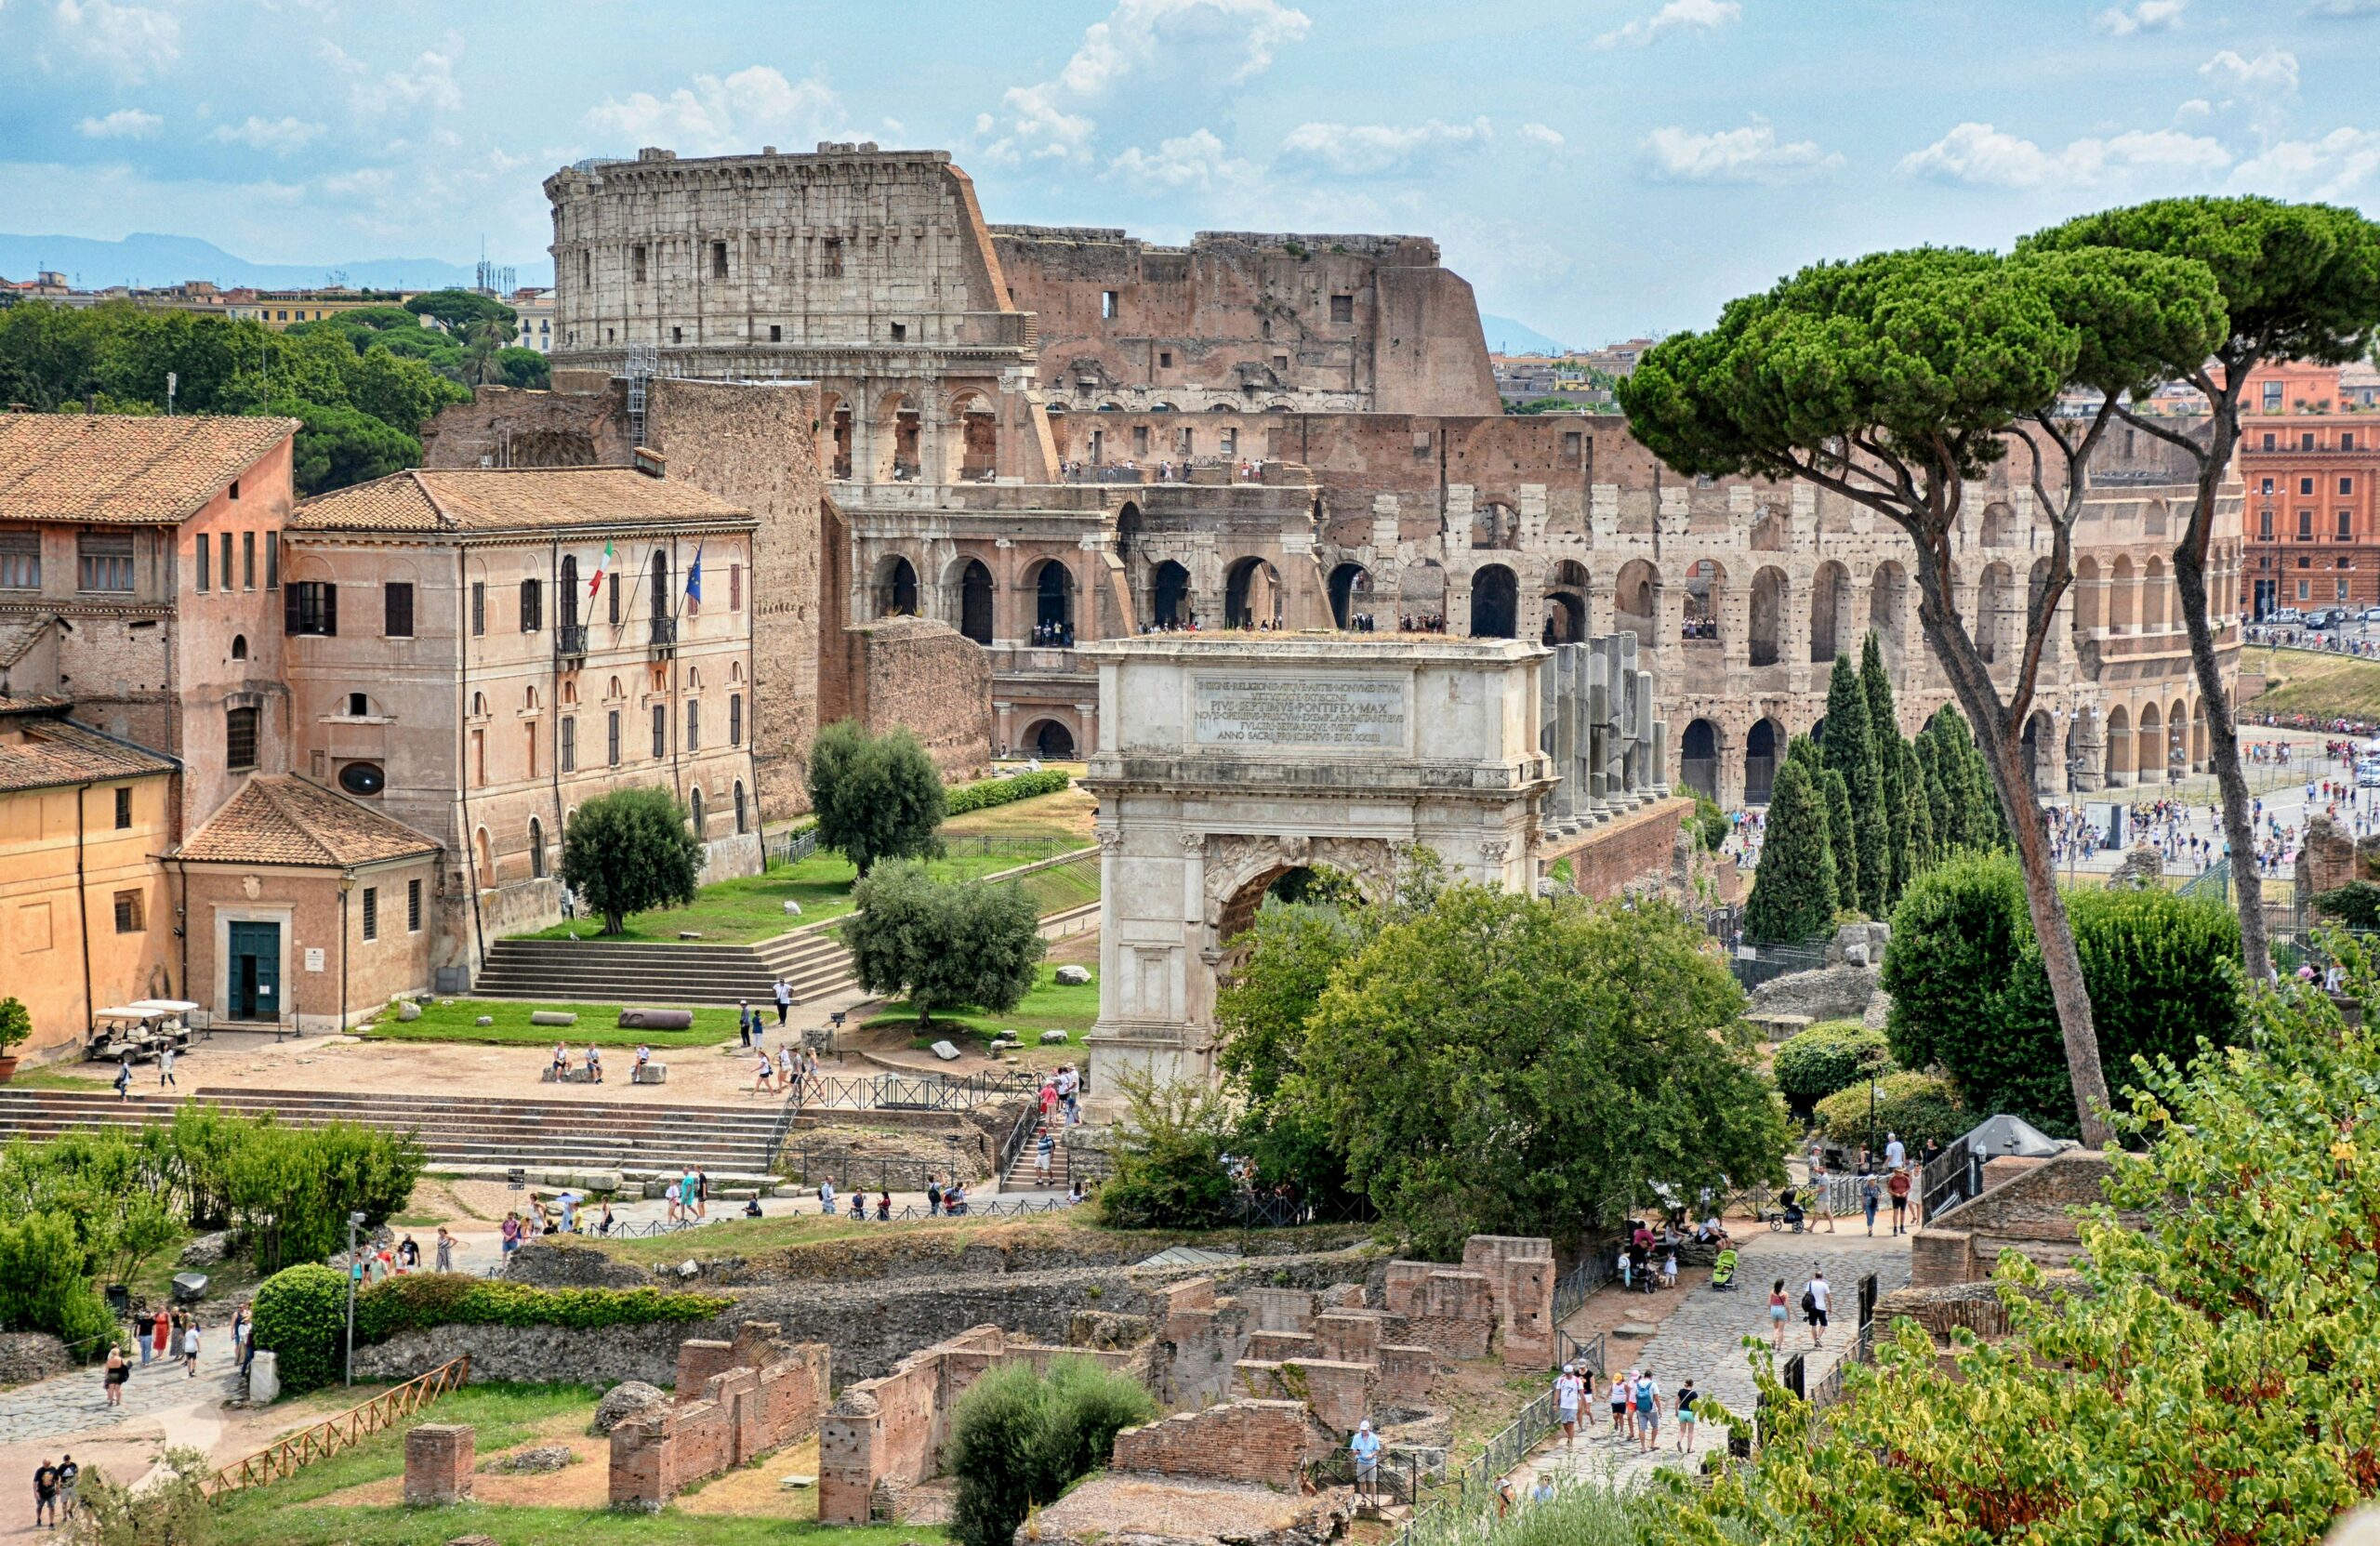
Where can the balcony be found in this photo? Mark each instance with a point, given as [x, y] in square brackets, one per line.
[570, 641]
[665, 637]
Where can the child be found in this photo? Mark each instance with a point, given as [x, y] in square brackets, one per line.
[1669, 1269]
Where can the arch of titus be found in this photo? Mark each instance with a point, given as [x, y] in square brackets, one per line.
[1229, 760]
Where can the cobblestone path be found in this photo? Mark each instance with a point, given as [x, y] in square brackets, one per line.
[76, 1403]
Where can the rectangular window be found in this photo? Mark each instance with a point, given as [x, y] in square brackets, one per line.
[2346, 485]
[239, 738]
[203, 573]
[371, 914]
[248, 561]
[676, 335]
[2266, 526]
[2305, 525]
[830, 257]
[734, 718]
[2346, 524]
[2306, 441]
[900, 331]
[479, 608]
[736, 586]
[2347, 440]
[2266, 487]
[2304, 485]
[1107, 305]
[660, 731]
[568, 750]
[1343, 309]
[479, 759]
[719, 261]
[2268, 441]
[412, 906]
[19, 561]
[311, 607]
[273, 561]
[694, 724]
[612, 738]
[2272, 397]
[104, 559]
[225, 547]
[636, 264]
[776, 333]
[123, 809]
[532, 605]
[2305, 590]
[396, 608]
[531, 730]
[1164, 359]
[130, 916]
[2342, 590]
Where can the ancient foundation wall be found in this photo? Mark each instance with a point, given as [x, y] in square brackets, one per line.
[735, 1402]
[1260, 1442]
[2032, 1213]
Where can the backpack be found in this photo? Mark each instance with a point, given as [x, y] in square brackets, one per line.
[1809, 1302]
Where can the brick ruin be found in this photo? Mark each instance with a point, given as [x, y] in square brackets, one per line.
[439, 1460]
[2028, 1206]
[735, 1401]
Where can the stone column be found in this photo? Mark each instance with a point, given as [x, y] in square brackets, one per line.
[438, 1457]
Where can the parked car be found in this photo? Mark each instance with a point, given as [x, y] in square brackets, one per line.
[2372, 615]
[2367, 773]
[2286, 614]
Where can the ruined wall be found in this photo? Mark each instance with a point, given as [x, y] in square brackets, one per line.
[735, 1401]
[1262, 1442]
[909, 673]
[2032, 1213]
[1635, 850]
[501, 427]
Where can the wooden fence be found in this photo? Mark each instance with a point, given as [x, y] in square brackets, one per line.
[326, 1438]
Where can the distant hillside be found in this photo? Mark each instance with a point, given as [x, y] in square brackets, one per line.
[148, 259]
[1506, 337]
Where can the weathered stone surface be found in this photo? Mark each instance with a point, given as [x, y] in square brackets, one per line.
[553, 1017]
[1828, 993]
[946, 1052]
[405, 1009]
[1053, 1038]
[26, 1356]
[2138, 869]
[206, 1249]
[438, 1463]
[657, 1020]
[622, 1401]
[1074, 976]
[538, 1460]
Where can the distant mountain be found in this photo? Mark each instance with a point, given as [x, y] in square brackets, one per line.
[1505, 335]
[148, 260]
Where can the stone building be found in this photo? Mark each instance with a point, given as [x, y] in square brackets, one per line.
[2310, 462]
[454, 661]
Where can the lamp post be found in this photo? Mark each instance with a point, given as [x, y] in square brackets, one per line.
[354, 1223]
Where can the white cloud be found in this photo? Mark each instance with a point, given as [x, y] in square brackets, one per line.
[1375, 150]
[1542, 135]
[278, 135]
[124, 123]
[338, 57]
[132, 41]
[2341, 164]
[1194, 43]
[1979, 155]
[1751, 153]
[1195, 163]
[428, 82]
[718, 114]
[2270, 74]
[2146, 15]
[1704, 15]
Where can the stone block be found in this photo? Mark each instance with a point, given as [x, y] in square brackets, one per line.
[404, 1009]
[652, 1073]
[1258, 1442]
[1074, 976]
[1406, 1373]
[264, 1379]
[549, 1017]
[484, 1020]
[1940, 1257]
[439, 1457]
[657, 1020]
[1053, 1038]
[1350, 1335]
[946, 1052]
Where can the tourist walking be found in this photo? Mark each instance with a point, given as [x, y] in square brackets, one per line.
[240, 1336]
[702, 1193]
[1869, 1196]
[1899, 1187]
[1687, 1396]
[1566, 1388]
[1043, 1148]
[45, 1495]
[826, 1196]
[1817, 1297]
[511, 1235]
[68, 1474]
[1649, 1411]
[783, 992]
[744, 1021]
[933, 1196]
[124, 1079]
[190, 1350]
[444, 1258]
[165, 1066]
[162, 1336]
[1777, 1315]
[118, 1372]
[1365, 1446]
[1895, 1153]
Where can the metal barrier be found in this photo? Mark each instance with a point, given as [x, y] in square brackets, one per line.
[1595, 1268]
[793, 847]
[1952, 1177]
[1589, 1354]
[324, 1439]
[1755, 964]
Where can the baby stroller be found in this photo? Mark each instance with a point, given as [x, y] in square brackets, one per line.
[1723, 1271]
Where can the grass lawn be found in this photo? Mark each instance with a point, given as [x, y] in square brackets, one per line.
[746, 1239]
[2307, 682]
[1066, 813]
[452, 1019]
[1048, 1008]
[290, 1512]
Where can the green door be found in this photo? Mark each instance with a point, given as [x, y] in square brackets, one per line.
[256, 970]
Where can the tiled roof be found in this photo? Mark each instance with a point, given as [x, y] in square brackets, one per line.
[42, 752]
[281, 819]
[503, 499]
[119, 468]
[19, 635]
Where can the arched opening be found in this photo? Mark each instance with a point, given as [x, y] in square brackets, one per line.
[537, 849]
[1830, 624]
[975, 601]
[694, 813]
[2088, 592]
[835, 438]
[1050, 740]
[2150, 751]
[484, 853]
[740, 820]
[2178, 756]
[1054, 604]
[1294, 884]
[1351, 594]
[1127, 530]
[1698, 759]
[2153, 591]
[1494, 526]
[239, 646]
[1706, 585]
[1251, 595]
[2123, 599]
[896, 587]
[1889, 612]
[1636, 598]
[1495, 603]
[977, 455]
[1565, 605]
[1760, 760]
[2119, 747]
[1767, 620]
[1996, 612]
[1421, 596]
[1171, 596]
[1999, 527]
[897, 426]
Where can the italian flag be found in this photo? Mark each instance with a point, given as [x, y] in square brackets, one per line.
[595, 585]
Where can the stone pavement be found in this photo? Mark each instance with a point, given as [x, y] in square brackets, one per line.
[76, 1403]
[1702, 1339]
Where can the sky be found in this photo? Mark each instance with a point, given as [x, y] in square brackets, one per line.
[1597, 169]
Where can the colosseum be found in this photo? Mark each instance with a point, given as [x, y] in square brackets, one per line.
[1037, 437]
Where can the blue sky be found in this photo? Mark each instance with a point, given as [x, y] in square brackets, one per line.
[1596, 168]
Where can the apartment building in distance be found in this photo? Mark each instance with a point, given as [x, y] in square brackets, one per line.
[2309, 461]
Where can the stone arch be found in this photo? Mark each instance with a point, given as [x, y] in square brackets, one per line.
[897, 431]
[834, 437]
[1889, 612]
[1767, 619]
[1999, 525]
[1698, 758]
[537, 849]
[2041, 752]
[1764, 744]
[1351, 590]
[1251, 594]
[2123, 595]
[1050, 739]
[974, 449]
[970, 585]
[1052, 586]
[1240, 870]
[1495, 601]
[2089, 594]
[1421, 592]
[1706, 596]
[1636, 601]
[2178, 732]
[484, 853]
[239, 646]
[1169, 588]
[895, 587]
[1565, 605]
[1128, 528]
[550, 448]
[2150, 747]
[2118, 738]
[1832, 625]
[2154, 589]
[1996, 605]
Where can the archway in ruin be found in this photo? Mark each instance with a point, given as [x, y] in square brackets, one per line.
[1698, 759]
[1495, 603]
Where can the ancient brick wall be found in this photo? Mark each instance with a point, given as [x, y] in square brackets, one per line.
[1450, 1311]
[502, 428]
[735, 1401]
[913, 674]
[439, 1457]
[1260, 1442]
[2032, 1213]
[1637, 850]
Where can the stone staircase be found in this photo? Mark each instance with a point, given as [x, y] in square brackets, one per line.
[1020, 1176]
[606, 971]
[467, 1135]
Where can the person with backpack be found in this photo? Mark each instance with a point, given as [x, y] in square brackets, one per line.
[826, 1198]
[1817, 1295]
[1648, 1409]
[934, 1198]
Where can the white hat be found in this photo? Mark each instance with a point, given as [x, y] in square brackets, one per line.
[1365, 1426]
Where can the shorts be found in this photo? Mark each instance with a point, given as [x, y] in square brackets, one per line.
[1816, 1317]
[1618, 1409]
[1569, 1414]
[1687, 1417]
[1650, 1417]
[1776, 1314]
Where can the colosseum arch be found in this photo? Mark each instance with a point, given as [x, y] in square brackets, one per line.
[2090, 593]
[1999, 525]
[1767, 619]
[1170, 596]
[1350, 593]
[895, 586]
[1251, 594]
[2155, 591]
[1831, 627]
[967, 591]
[1052, 586]
[1763, 745]
[1995, 603]
[1698, 758]
[1565, 605]
[1889, 612]
[896, 433]
[973, 452]
[1422, 590]
[2123, 595]
[1496, 525]
[1637, 597]
[1706, 595]
[2177, 731]
[835, 436]
[2151, 746]
[1495, 601]
[2119, 753]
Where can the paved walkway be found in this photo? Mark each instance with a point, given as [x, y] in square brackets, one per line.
[76, 1402]
[1703, 1338]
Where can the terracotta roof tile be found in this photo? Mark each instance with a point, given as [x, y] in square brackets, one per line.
[19, 635]
[502, 499]
[281, 819]
[42, 752]
[120, 468]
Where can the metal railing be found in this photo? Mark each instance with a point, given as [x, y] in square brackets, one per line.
[283, 1458]
[1595, 1268]
[1950, 1179]
[1755, 964]
[1469, 1492]
[665, 633]
[890, 1092]
[1589, 1354]
[792, 848]
[570, 640]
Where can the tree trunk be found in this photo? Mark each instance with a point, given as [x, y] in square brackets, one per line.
[2003, 753]
[2222, 736]
[612, 923]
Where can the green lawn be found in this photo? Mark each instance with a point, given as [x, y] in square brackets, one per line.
[452, 1019]
[290, 1512]
[1046, 1007]
[2308, 681]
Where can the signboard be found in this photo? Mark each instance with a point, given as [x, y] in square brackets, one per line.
[1355, 713]
[313, 958]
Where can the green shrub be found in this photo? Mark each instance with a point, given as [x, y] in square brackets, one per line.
[421, 1301]
[46, 1285]
[1826, 1058]
[1169, 1158]
[1955, 939]
[1019, 1439]
[299, 1317]
[1709, 824]
[1003, 791]
[16, 1024]
[1917, 1106]
[2357, 905]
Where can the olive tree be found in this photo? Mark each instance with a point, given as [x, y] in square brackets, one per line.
[1895, 380]
[2299, 282]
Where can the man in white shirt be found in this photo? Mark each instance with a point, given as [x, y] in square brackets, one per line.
[1365, 1446]
[784, 993]
[1818, 1298]
[1568, 1390]
[1895, 1153]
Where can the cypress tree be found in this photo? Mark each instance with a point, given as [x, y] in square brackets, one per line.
[1793, 889]
[1922, 847]
[1884, 728]
[1850, 750]
[1846, 839]
[1802, 750]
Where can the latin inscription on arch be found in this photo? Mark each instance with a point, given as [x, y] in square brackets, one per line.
[1338, 712]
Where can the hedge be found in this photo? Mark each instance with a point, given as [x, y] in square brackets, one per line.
[1826, 1058]
[299, 1315]
[1002, 791]
[417, 1301]
[1916, 1106]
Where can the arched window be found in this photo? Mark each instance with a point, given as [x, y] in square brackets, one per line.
[537, 848]
[735, 722]
[479, 705]
[739, 808]
[239, 646]
[566, 604]
[694, 809]
[529, 699]
[486, 859]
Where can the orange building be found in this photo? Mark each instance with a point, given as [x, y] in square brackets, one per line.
[2309, 459]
